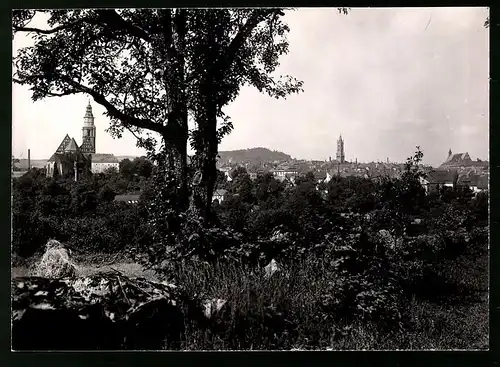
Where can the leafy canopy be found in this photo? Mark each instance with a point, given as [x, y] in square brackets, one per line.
[138, 62]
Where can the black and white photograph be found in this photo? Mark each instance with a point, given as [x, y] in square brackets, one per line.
[250, 179]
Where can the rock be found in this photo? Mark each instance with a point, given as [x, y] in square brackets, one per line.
[271, 268]
[213, 306]
[102, 311]
[55, 262]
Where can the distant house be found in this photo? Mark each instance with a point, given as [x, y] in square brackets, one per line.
[102, 162]
[476, 183]
[438, 179]
[285, 173]
[320, 176]
[481, 184]
[128, 198]
[219, 195]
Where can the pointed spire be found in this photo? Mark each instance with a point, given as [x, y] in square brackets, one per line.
[88, 112]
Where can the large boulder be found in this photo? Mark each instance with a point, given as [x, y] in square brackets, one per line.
[103, 311]
[271, 268]
[213, 307]
[55, 262]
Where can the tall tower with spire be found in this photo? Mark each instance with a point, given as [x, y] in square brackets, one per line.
[88, 132]
[340, 150]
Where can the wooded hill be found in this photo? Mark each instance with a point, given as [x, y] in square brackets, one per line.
[252, 155]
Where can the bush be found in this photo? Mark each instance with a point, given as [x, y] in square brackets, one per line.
[81, 214]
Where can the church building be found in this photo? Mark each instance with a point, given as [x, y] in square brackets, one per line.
[457, 160]
[69, 158]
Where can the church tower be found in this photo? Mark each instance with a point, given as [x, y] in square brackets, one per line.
[340, 150]
[88, 132]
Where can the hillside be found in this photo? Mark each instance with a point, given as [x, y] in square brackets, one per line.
[252, 155]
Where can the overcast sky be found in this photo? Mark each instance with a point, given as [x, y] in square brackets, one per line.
[386, 79]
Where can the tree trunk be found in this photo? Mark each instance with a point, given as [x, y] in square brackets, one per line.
[205, 165]
[210, 160]
[206, 118]
[176, 138]
[176, 167]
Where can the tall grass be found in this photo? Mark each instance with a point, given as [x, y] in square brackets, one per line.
[276, 312]
[284, 312]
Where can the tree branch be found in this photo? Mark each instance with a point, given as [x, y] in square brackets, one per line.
[108, 17]
[139, 139]
[112, 110]
[53, 94]
[112, 18]
[47, 31]
[244, 32]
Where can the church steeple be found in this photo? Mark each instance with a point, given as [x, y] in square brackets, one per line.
[88, 112]
[340, 150]
[88, 131]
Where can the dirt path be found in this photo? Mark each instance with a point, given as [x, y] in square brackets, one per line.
[129, 269]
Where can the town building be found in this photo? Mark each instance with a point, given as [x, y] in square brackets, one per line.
[457, 160]
[103, 162]
[80, 160]
[463, 162]
[285, 171]
[219, 195]
[435, 180]
[476, 183]
[320, 176]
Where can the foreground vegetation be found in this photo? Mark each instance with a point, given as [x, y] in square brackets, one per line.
[362, 265]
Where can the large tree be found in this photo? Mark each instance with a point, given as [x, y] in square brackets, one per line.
[130, 61]
[150, 68]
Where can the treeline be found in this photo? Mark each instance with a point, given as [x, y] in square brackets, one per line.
[84, 213]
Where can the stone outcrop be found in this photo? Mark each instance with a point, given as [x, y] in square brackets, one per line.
[55, 262]
[103, 311]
